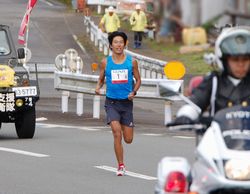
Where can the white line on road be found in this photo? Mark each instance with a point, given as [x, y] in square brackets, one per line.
[69, 127]
[41, 119]
[80, 45]
[152, 134]
[128, 173]
[48, 3]
[23, 152]
[183, 137]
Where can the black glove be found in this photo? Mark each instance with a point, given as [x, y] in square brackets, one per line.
[182, 120]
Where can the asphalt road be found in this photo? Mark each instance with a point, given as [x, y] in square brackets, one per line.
[79, 160]
[71, 154]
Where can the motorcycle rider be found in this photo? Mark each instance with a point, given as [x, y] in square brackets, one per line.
[227, 87]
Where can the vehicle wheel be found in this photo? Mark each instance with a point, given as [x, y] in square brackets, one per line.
[26, 123]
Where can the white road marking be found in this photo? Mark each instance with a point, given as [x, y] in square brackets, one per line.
[94, 128]
[128, 173]
[152, 134]
[80, 45]
[23, 152]
[86, 128]
[184, 137]
[48, 3]
[41, 119]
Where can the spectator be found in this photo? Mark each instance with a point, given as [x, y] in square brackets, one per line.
[138, 21]
[110, 22]
[170, 22]
[229, 86]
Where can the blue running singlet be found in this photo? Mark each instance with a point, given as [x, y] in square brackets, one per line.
[119, 78]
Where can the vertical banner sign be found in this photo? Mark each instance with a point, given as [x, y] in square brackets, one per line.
[25, 22]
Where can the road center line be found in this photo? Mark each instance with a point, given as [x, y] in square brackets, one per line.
[41, 119]
[183, 137]
[128, 173]
[23, 152]
[152, 134]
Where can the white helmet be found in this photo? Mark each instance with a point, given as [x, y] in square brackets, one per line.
[232, 41]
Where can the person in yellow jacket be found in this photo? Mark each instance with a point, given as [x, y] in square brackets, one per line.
[110, 22]
[138, 21]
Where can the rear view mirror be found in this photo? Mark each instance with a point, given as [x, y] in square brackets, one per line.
[167, 91]
[21, 53]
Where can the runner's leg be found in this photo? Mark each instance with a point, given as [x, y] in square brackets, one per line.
[128, 134]
[117, 133]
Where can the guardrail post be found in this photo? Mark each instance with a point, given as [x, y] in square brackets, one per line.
[100, 46]
[88, 26]
[65, 98]
[96, 106]
[148, 73]
[159, 76]
[99, 9]
[153, 75]
[105, 50]
[65, 94]
[96, 38]
[79, 98]
[100, 40]
[168, 112]
[92, 35]
[79, 104]
[142, 72]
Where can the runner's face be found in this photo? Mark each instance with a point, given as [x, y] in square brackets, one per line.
[118, 45]
[239, 66]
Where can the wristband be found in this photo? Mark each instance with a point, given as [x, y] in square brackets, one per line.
[135, 92]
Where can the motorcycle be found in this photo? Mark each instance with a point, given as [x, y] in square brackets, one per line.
[222, 157]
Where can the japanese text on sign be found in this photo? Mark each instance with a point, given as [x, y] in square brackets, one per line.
[7, 102]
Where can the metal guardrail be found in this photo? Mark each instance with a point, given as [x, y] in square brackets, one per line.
[85, 84]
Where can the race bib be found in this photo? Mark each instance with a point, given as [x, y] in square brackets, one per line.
[119, 76]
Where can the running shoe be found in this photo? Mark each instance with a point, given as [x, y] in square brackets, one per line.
[121, 170]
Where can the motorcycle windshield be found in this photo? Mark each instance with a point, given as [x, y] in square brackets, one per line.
[235, 127]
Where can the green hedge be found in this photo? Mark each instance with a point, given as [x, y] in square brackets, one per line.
[67, 2]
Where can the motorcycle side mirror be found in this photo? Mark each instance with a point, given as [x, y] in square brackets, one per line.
[21, 53]
[167, 90]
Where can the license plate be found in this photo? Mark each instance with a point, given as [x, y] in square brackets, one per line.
[25, 91]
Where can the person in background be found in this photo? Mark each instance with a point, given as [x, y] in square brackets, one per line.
[226, 88]
[110, 22]
[119, 70]
[138, 21]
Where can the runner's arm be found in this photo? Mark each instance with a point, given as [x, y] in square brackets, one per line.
[101, 79]
[137, 79]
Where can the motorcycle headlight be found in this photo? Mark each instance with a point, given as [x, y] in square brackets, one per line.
[237, 169]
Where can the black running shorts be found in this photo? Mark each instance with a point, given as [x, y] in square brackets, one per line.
[119, 110]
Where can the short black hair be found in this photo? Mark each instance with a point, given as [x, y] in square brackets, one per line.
[117, 33]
